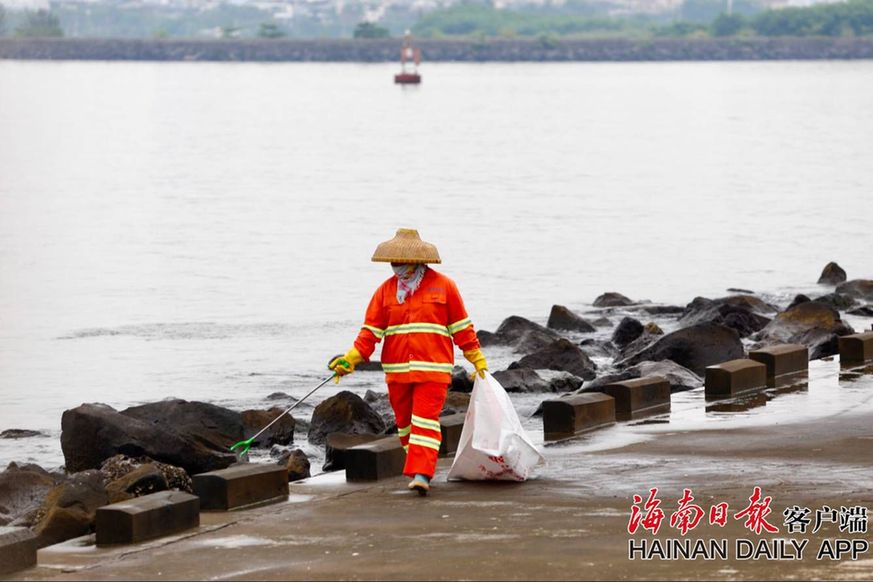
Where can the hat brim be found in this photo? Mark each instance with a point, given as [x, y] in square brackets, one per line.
[406, 247]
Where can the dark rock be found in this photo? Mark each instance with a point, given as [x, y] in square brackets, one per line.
[461, 381]
[345, 412]
[116, 467]
[602, 322]
[837, 301]
[798, 299]
[743, 322]
[857, 288]
[177, 477]
[487, 338]
[832, 274]
[119, 466]
[20, 433]
[612, 299]
[92, 433]
[141, 481]
[639, 344]
[738, 290]
[565, 382]
[561, 355]
[521, 334]
[605, 379]
[22, 490]
[281, 433]
[627, 331]
[702, 309]
[827, 347]
[521, 380]
[213, 426]
[280, 396]
[742, 313]
[371, 366]
[812, 324]
[663, 309]
[456, 402]
[599, 348]
[295, 461]
[70, 508]
[679, 377]
[653, 328]
[381, 404]
[694, 347]
[866, 311]
[563, 318]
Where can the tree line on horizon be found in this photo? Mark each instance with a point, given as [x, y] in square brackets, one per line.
[695, 18]
[467, 20]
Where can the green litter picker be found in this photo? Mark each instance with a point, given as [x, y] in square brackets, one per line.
[243, 447]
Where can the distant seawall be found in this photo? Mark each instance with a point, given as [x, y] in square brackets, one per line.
[377, 51]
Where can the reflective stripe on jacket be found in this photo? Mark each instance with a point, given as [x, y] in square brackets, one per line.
[418, 333]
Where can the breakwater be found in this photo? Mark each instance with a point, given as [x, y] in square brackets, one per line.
[344, 50]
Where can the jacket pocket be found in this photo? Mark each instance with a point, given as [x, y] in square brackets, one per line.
[433, 308]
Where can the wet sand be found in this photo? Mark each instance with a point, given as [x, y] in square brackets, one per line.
[553, 527]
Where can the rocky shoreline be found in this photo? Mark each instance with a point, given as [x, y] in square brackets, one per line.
[113, 455]
[494, 50]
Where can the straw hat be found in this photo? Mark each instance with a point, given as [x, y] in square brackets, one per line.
[406, 247]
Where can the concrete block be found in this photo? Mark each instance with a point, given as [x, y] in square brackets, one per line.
[338, 443]
[734, 377]
[781, 360]
[451, 426]
[144, 518]
[17, 549]
[856, 348]
[241, 485]
[375, 460]
[565, 417]
[640, 397]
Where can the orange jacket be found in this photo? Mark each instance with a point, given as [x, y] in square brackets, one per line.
[418, 333]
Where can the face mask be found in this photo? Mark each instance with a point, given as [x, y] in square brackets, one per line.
[408, 279]
[403, 271]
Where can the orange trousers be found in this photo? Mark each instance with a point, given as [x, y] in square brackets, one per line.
[417, 408]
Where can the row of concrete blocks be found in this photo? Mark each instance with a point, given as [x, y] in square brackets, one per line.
[137, 520]
[768, 367]
[778, 366]
[364, 457]
[626, 400]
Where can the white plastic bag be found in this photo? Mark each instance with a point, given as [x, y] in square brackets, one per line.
[493, 444]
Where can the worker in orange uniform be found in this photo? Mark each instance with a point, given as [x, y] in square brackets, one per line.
[419, 313]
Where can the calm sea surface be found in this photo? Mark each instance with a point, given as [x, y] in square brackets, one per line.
[204, 230]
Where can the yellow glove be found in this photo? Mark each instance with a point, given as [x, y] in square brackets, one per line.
[476, 358]
[345, 364]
